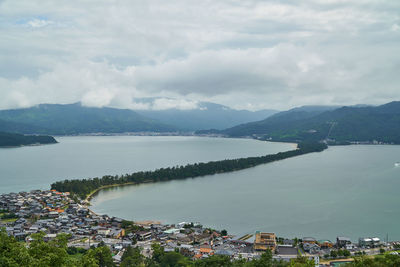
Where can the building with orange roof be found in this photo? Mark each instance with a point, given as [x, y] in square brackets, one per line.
[198, 256]
[205, 250]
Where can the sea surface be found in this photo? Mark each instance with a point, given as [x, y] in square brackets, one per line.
[36, 167]
[351, 191]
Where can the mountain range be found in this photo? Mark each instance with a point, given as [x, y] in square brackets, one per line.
[59, 119]
[332, 124]
[207, 115]
[67, 119]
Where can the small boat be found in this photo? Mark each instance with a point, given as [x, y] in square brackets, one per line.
[397, 164]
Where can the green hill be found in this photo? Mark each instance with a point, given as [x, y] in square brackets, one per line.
[336, 125]
[12, 139]
[77, 119]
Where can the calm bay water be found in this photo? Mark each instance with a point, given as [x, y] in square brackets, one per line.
[344, 191]
[37, 167]
[350, 190]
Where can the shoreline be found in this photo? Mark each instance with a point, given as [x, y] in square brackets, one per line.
[186, 171]
[248, 235]
[94, 192]
[91, 194]
[36, 144]
[192, 134]
[118, 233]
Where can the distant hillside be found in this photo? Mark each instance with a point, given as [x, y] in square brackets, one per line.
[77, 119]
[206, 116]
[343, 124]
[10, 126]
[277, 122]
[12, 139]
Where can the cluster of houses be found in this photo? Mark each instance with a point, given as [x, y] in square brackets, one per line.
[313, 246]
[193, 240]
[54, 212]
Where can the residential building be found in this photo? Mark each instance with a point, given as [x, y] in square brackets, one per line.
[264, 241]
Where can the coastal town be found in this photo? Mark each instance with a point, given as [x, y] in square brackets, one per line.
[52, 213]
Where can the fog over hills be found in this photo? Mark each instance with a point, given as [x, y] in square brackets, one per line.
[204, 115]
[75, 118]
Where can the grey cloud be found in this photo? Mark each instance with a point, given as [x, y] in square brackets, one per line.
[215, 72]
[245, 54]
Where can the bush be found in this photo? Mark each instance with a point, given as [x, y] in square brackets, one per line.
[334, 253]
[346, 253]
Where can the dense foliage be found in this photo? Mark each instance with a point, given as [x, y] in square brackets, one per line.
[76, 119]
[160, 258]
[343, 124]
[86, 186]
[48, 254]
[377, 261]
[39, 253]
[12, 139]
[56, 253]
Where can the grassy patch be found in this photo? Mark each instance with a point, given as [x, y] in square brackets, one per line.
[75, 259]
[9, 220]
[76, 256]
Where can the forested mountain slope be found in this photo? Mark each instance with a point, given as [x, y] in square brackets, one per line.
[77, 119]
[344, 124]
[12, 139]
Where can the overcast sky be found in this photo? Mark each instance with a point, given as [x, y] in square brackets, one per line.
[244, 54]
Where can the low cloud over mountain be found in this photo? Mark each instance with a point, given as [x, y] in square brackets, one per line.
[246, 55]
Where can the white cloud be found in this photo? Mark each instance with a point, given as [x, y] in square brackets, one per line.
[140, 105]
[395, 27]
[182, 104]
[38, 23]
[163, 104]
[98, 98]
[231, 70]
[252, 54]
